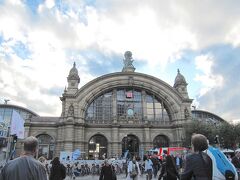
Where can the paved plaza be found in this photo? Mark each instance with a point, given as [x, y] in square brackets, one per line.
[119, 177]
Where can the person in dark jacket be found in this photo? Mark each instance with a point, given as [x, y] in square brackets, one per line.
[178, 162]
[25, 167]
[58, 170]
[107, 172]
[168, 171]
[236, 160]
[198, 165]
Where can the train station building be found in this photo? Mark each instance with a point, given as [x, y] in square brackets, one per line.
[120, 111]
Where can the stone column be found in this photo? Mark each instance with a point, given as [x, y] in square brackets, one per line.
[147, 139]
[80, 138]
[69, 136]
[115, 142]
[59, 141]
[26, 131]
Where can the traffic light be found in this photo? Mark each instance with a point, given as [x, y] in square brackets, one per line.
[14, 139]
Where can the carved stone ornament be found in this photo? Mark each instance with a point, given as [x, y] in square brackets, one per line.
[71, 110]
[128, 60]
[186, 113]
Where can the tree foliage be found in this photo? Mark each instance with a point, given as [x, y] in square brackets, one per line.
[228, 134]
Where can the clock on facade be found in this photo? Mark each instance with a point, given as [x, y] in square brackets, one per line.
[130, 112]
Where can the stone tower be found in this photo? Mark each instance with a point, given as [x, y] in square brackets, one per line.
[180, 85]
[73, 80]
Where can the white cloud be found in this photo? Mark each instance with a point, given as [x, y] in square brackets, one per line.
[49, 3]
[209, 80]
[233, 36]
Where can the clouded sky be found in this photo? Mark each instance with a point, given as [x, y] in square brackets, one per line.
[40, 40]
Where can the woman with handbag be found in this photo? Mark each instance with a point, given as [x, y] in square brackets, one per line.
[133, 170]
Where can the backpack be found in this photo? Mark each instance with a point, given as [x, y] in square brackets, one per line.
[222, 167]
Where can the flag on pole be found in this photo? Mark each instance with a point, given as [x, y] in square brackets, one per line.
[125, 154]
[17, 125]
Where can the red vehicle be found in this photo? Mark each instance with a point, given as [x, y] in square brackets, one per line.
[170, 151]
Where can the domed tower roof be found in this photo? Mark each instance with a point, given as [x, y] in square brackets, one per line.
[179, 80]
[73, 74]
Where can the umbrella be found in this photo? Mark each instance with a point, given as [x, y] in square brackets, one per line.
[227, 151]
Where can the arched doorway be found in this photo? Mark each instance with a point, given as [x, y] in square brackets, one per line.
[46, 146]
[97, 147]
[130, 144]
[160, 141]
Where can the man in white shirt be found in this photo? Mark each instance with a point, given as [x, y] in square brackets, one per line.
[148, 167]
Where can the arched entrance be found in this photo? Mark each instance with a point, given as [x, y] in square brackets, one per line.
[97, 147]
[130, 143]
[46, 146]
[160, 141]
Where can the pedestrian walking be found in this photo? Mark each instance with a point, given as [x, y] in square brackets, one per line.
[106, 171]
[168, 171]
[236, 162]
[25, 167]
[58, 170]
[133, 169]
[156, 164]
[178, 162]
[149, 168]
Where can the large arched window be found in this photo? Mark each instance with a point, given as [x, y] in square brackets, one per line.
[155, 109]
[128, 103]
[46, 146]
[100, 108]
[97, 147]
[160, 141]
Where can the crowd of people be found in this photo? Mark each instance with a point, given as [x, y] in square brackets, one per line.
[198, 165]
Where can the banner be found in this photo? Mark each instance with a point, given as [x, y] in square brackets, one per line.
[65, 156]
[76, 154]
[17, 125]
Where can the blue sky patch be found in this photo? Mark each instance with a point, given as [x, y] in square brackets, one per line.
[21, 50]
[99, 64]
[33, 4]
[53, 91]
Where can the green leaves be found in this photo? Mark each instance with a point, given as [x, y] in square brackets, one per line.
[228, 134]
